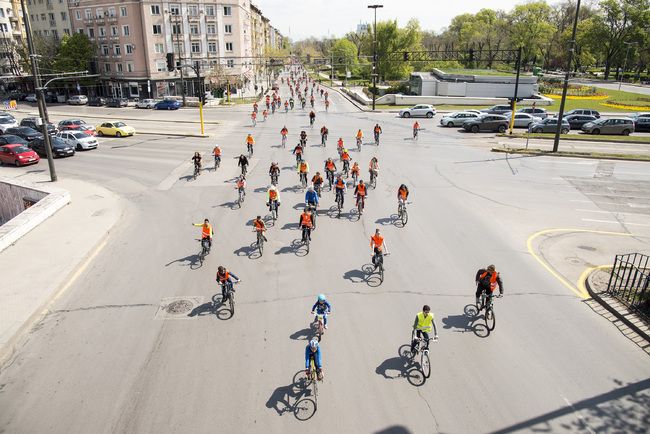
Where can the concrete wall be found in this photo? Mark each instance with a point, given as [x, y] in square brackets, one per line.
[11, 200]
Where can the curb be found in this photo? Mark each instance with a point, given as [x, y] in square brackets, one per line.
[591, 155]
[613, 311]
[576, 139]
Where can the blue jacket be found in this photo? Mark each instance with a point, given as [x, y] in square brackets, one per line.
[311, 196]
[317, 360]
[322, 308]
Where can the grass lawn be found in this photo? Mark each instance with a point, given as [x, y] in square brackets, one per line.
[590, 137]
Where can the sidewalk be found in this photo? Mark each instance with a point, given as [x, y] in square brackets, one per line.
[40, 265]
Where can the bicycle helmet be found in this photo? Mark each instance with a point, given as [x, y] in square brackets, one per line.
[313, 343]
[310, 188]
[272, 188]
[345, 150]
[321, 297]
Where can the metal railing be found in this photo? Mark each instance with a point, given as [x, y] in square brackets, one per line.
[630, 282]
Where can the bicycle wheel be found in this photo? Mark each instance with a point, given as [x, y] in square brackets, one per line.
[405, 217]
[319, 333]
[274, 213]
[360, 207]
[425, 364]
[381, 271]
[490, 320]
[239, 199]
[307, 242]
[231, 299]
[260, 244]
[202, 256]
[196, 172]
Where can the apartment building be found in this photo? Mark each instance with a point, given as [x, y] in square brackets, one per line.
[12, 34]
[49, 18]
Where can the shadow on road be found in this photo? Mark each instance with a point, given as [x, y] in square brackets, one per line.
[401, 367]
[296, 247]
[203, 310]
[220, 309]
[302, 335]
[190, 261]
[250, 251]
[295, 398]
[470, 321]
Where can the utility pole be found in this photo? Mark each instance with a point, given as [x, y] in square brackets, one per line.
[374, 58]
[176, 28]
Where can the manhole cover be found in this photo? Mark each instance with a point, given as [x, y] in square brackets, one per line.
[179, 306]
[591, 249]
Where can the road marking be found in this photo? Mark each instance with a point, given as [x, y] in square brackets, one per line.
[71, 281]
[611, 212]
[577, 413]
[615, 222]
[585, 274]
[580, 292]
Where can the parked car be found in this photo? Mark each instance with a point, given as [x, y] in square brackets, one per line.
[51, 98]
[642, 124]
[588, 112]
[167, 104]
[116, 102]
[577, 121]
[486, 121]
[17, 96]
[522, 120]
[7, 122]
[145, 103]
[537, 111]
[83, 128]
[59, 148]
[78, 100]
[549, 125]
[97, 102]
[79, 140]
[75, 122]
[26, 133]
[457, 119]
[33, 123]
[637, 116]
[31, 97]
[498, 109]
[418, 110]
[12, 140]
[18, 155]
[623, 126]
[117, 129]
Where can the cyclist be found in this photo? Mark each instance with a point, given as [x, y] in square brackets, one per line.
[313, 351]
[255, 108]
[416, 128]
[422, 326]
[374, 167]
[264, 113]
[321, 93]
[377, 242]
[291, 100]
[206, 232]
[377, 132]
[268, 100]
[241, 184]
[359, 136]
[303, 169]
[303, 101]
[298, 151]
[311, 199]
[217, 153]
[323, 134]
[322, 307]
[326, 95]
[359, 191]
[330, 168]
[197, 160]
[327, 105]
[341, 187]
[317, 182]
[259, 225]
[273, 195]
[355, 169]
[243, 162]
[345, 157]
[402, 194]
[286, 106]
[274, 169]
[249, 141]
[273, 107]
[306, 224]
[487, 280]
[312, 98]
[223, 276]
[254, 118]
[339, 146]
[312, 118]
[303, 138]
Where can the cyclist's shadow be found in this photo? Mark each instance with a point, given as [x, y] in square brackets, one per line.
[251, 251]
[468, 322]
[295, 398]
[402, 366]
[219, 308]
[366, 274]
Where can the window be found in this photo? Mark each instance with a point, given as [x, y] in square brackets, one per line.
[230, 63]
[229, 46]
[118, 67]
[31, 17]
[155, 9]
[66, 31]
[4, 27]
[51, 17]
[211, 29]
[161, 65]
[55, 35]
[125, 31]
[89, 14]
[114, 31]
[128, 49]
[105, 50]
[81, 31]
[195, 47]
[2, 13]
[209, 10]
[42, 17]
[227, 28]
[177, 29]
[158, 48]
[212, 47]
[117, 49]
[129, 67]
[64, 16]
[46, 33]
[91, 32]
[102, 31]
[111, 12]
[100, 13]
[193, 10]
[179, 47]
[107, 67]
[175, 9]
[227, 11]
[194, 29]
[123, 12]
[157, 29]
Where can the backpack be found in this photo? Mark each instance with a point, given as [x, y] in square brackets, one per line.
[485, 280]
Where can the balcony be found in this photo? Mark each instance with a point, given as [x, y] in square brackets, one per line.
[115, 38]
[99, 20]
[213, 54]
[195, 37]
[102, 39]
[193, 18]
[105, 57]
[89, 22]
[211, 37]
[116, 57]
[210, 18]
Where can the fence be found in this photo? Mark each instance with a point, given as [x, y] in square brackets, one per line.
[630, 282]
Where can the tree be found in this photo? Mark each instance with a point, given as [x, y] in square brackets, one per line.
[74, 53]
[530, 27]
[390, 38]
[45, 48]
[345, 57]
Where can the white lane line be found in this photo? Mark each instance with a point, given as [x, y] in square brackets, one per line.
[617, 195]
[577, 413]
[614, 222]
[611, 212]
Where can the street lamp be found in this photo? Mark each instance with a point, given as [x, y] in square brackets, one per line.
[374, 58]
[176, 29]
[625, 63]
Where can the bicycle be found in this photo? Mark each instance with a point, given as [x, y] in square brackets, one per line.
[254, 120]
[330, 178]
[378, 260]
[274, 179]
[373, 179]
[230, 295]
[323, 139]
[260, 240]
[355, 176]
[402, 214]
[422, 347]
[376, 139]
[318, 187]
[339, 202]
[361, 204]
[319, 324]
[311, 122]
[298, 158]
[415, 133]
[274, 210]
[217, 162]
[250, 151]
[284, 140]
[346, 168]
[197, 171]
[306, 233]
[243, 169]
[486, 303]
[205, 249]
[359, 144]
[313, 377]
[303, 179]
[240, 196]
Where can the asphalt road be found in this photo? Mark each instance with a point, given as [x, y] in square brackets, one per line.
[109, 359]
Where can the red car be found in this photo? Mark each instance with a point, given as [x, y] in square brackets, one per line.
[81, 128]
[19, 155]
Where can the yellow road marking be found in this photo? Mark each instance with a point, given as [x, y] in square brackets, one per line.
[581, 291]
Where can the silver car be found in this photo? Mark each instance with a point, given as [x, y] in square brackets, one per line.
[523, 120]
[623, 126]
[457, 119]
[78, 139]
[145, 103]
[418, 110]
[78, 100]
[549, 125]
[7, 122]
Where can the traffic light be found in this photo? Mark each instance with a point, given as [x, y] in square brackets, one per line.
[471, 54]
[406, 56]
[512, 101]
[308, 59]
[170, 61]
